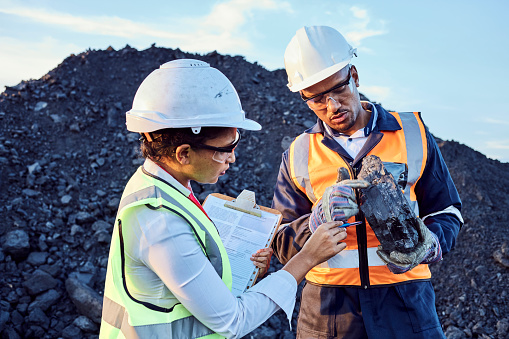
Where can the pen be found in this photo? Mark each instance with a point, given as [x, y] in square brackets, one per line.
[351, 224]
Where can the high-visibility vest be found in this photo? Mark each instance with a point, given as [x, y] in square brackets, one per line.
[125, 317]
[313, 167]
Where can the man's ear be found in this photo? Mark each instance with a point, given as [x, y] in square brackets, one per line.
[354, 75]
[182, 154]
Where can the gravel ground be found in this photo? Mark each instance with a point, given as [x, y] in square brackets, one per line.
[66, 156]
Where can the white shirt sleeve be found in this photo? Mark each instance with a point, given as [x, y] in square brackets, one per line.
[168, 246]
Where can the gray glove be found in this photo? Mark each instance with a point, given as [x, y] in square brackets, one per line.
[338, 201]
[426, 251]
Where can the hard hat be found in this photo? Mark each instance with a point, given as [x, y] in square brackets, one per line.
[314, 54]
[186, 93]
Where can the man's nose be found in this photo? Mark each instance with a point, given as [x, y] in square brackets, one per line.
[332, 104]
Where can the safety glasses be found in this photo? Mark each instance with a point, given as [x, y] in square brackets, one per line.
[221, 153]
[319, 98]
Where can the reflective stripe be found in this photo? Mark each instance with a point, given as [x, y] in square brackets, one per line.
[300, 150]
[451, 210]
[344, 259]
[414, 151]
[373, 258]
[350, 259]
[183, 328]
[114, 313]
[211, 248]
[189, 327]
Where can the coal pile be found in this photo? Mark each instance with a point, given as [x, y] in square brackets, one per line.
[66, 156]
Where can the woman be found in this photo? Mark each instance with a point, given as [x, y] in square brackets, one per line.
[168, 273]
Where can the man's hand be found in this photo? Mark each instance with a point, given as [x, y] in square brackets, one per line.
[427, 251]
[338, 203]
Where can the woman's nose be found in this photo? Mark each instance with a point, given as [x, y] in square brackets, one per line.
[231, 158]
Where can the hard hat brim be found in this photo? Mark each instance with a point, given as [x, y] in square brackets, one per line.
[317, 77]
[151, 121]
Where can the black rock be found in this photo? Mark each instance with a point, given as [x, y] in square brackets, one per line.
[38, 282]
[71, 332]
[16, 244]
[38, 318]
[87, 301]
[4, 317]
[45, 300]
[386, 208]
[85, 324]
[37, 258]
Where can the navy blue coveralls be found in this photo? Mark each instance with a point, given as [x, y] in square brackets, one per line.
[405, 310]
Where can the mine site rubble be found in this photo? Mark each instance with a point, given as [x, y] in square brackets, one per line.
[66, 155]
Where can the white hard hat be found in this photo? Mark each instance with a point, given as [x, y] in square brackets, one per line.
[186, 93]
[315, 53]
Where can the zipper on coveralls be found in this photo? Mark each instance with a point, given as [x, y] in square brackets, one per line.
[362, 243]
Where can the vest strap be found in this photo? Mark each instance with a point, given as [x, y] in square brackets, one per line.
[350, 259]
[415, 153]
[189, 327]
[299, 154]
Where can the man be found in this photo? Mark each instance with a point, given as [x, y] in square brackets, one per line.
[359, 293]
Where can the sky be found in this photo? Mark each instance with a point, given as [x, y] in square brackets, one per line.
[447, 59]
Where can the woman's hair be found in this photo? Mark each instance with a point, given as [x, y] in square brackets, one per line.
[165, 141]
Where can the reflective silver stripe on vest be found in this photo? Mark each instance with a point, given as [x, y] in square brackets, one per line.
[211, 247]
[414, 151]
[114, 312]
[300, 164]
[350, 259]
[189, 327]
[183, 328]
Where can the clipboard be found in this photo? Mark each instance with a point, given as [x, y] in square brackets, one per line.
[244, 228]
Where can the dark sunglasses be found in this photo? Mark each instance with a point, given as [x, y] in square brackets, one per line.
[227, 149]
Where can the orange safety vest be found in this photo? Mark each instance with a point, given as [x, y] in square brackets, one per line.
[313, 167]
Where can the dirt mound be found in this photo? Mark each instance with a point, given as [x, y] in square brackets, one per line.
[66, 156]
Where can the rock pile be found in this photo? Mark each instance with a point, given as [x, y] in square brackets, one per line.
[66, 156]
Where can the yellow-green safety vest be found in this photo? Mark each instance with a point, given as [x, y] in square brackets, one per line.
[125, 317]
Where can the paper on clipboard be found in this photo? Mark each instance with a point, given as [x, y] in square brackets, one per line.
[242, 233]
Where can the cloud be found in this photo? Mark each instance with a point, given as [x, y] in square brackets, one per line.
[19, 56]
[99, 25]
[221, 29]
[218, 30]
[498, 144]
[359, 13]
[230, 15]
[376, 93]
[496, 121]
[361, 27]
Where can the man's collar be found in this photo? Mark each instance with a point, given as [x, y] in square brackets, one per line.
[386, 121]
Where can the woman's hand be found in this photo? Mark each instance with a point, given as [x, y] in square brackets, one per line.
[323, 244]
[261, 259]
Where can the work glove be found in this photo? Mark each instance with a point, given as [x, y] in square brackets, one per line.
[338, 203]
[427, 251]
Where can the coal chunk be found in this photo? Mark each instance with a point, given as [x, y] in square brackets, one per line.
[386, 208]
